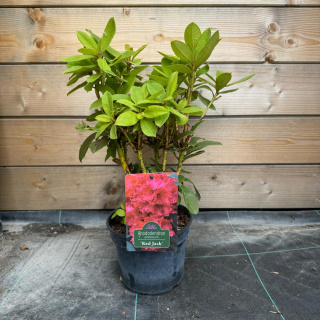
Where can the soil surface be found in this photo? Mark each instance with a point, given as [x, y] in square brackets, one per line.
[182, 222]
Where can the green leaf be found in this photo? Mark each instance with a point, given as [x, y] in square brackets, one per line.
[76, 58]
[157, 94]
[222, 80]
[195, 188]
[148, 127]
[154, 111]
[108, 35]
[180, 68]
[121, 97]
[77, 87]
[202, 70]
[205, 36]
[192, 35]
[241, 80]
[104, 118]
[159, 121]
[139, 50]
[202, 145]
[113, 132]
[94, 36]
[120, 213]
[81, 127]
[206, 102]
[88, 87]
[193, 110]
[102, 63]
[183, 134]
[181, 118]
[166, 63]
[190, 200]
[107, 104]
[127, 119]
[137, 94]
[96, 105]
[87, 41]
[194, 155]
[218, 72]
[181, 50]
[87, 51]
[92, 117]
[182, 103]
[205, 53]
[85, 146]
[112, 150]
[127, 86]
[98, 144]
[93, 77]
[154, 88]
[168, 56]
[103, 127]
[163, 81]
[228, 91]
[194, 127]
[128, 103]
[172, 84]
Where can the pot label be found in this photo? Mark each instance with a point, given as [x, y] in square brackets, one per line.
[151, 211]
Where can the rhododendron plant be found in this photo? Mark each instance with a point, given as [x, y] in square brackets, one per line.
[157, 112]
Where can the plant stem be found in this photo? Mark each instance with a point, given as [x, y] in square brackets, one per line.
[139, 153]
[208, 106]
[180, 162]
[165, 148]
[122, 158]
[128, 138]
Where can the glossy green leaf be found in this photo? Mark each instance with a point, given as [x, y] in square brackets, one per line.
[172, 84]
[127, 119]
[77, 87]
[139, 50]
[181, 118]
[202, 145]
[94, 36]
[190, 200]
[204, 38]
[154, 111]
[112, 150]
[120, 213]
[205, 53]
[107, 104]
[181, 50]
[228, 91]
[222, 80]
[85, 146]
[93, 77]
[202, 70]
[102, 63]
[180, 68]
[137, 94]
[113, 132]
[182, 103]
[121, 97]
[81, 127]
[170, 57]
[87, 41]
[96, 105]
[192, 35]
[76, 58]
[192, 110]
[98, 144]
[108, 34]
[87, 51]
[160, 121]
[148, 127]
[103, 127]
[241, 80]
[127, 86]
[104, 118]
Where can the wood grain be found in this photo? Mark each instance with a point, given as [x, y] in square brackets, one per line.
[57, 188]
[245, 141]
[248, 34]
[103, 3]
[40, 90]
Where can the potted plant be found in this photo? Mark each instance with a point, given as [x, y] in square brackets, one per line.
[133, 115]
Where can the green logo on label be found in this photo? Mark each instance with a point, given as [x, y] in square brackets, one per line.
[151, 236]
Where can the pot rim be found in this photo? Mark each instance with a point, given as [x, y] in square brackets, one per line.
[124, 236]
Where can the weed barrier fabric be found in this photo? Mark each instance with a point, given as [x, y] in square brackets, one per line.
[240, 265]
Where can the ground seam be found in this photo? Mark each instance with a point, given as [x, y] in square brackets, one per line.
[254, 268]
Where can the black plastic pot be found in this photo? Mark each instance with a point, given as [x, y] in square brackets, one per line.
[147, 272]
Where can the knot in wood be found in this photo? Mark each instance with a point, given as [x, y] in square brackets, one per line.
[36, 15]
[270, 57]
[291, 41]
[273, 27]
[126, 11]
[40, 43]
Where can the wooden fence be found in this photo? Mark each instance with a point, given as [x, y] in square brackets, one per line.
[270, 128]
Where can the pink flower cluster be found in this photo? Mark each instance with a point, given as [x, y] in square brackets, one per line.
[150, 199]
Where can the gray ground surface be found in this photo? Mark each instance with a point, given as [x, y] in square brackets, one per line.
[239, 265]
